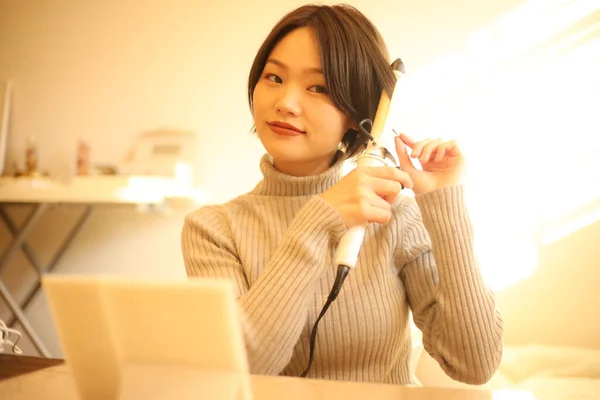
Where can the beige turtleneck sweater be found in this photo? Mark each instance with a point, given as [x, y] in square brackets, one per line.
[278, 244]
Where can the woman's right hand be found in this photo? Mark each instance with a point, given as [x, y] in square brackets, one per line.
[366, 194]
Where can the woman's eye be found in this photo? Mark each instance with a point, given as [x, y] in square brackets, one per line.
[273, 78]
[318, 89]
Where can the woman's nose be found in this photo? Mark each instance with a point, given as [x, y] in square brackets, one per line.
[289, 102]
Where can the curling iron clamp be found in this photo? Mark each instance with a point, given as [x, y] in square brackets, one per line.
[380, 152]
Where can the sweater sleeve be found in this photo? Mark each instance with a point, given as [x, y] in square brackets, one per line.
[274, 310]
[451, 305]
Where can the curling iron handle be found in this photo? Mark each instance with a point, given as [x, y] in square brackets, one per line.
[350, 244]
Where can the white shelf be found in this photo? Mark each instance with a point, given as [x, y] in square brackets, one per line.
[109, 189]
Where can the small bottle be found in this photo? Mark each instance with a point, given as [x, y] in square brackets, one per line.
[31, 156]
[83, 158]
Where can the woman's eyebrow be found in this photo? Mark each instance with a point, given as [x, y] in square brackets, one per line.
[314, 70]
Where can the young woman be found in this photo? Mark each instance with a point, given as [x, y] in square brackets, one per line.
[320, 71]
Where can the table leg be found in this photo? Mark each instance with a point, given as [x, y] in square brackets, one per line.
[12, 304]
[55, 259]
[27, 250]
[20, 236]
[19, 240]
[7, 256]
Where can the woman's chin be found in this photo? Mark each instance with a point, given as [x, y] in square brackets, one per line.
[285, 151]
[287, 157]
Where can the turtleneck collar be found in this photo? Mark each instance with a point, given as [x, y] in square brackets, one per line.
[276, 183]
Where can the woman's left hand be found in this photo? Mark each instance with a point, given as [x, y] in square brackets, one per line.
[443, 163]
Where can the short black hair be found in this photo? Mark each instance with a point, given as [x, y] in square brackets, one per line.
[356, 62]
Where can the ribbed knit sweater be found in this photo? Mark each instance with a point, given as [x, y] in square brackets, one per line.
[278, 243]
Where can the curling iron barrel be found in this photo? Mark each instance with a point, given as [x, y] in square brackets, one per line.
[375, 155]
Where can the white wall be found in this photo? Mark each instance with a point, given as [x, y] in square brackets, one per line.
[109, 70]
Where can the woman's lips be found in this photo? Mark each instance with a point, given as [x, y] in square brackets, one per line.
[285, 129]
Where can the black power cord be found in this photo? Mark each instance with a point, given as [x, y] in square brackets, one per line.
[342, 272]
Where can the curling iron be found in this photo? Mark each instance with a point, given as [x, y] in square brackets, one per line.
[380, 152]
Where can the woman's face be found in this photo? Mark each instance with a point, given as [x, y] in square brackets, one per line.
[296, 121]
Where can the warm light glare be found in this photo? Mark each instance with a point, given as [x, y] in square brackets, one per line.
[523, 102]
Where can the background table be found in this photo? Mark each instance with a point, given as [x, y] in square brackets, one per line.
[87, 192]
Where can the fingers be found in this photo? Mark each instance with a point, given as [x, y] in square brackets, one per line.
[425, 150]
[440, 153]
[410, 142]
[451, 148]
[378, 202]
[403, 157]
[378, 215]
[375, 209]
[417, 148]
[387, 174]
[436, 150]
[386, 182]
[387, 188]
